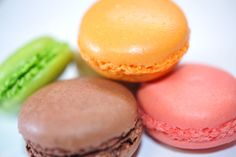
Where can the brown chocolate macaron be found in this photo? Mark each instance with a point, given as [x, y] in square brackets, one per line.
[84, 117]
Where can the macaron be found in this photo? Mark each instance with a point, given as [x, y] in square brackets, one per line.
[81, 117]
[193, 108]
[32, 66]
[132, 40]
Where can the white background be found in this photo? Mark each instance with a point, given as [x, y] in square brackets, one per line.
[213, 41]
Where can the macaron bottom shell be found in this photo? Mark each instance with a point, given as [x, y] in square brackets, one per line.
[135, 73]
[191, 146]
[126, 146]
[190, 138]
[132, 77]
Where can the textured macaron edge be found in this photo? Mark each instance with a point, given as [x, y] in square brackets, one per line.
[190, 135]
[118, 146]
[135, 70]
[29, 68]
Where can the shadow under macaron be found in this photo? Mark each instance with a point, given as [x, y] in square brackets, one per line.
[138, 150]
[83, 68]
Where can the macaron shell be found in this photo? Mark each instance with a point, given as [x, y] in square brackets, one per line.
[193, 96]
[190, 138]
[126, 147]
[32, 66]
[131, 151]
[190, 145]
[53, 116]
[132, 77]
[133, 32]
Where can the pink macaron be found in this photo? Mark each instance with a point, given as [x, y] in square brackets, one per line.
[192, 108]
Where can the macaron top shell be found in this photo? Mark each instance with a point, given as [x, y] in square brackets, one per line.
[193, 96]
[131, 32]
[78, 114]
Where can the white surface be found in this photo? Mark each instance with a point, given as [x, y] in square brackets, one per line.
[213, 37]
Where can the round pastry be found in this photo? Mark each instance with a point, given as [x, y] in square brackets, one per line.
[83, 117]
[193, 108]
[31, 67]
[133, 40]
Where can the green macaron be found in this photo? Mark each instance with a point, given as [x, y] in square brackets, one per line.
[29, 68]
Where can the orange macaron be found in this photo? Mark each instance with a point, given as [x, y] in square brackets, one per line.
[133, 40]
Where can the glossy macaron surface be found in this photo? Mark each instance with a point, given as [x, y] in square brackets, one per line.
[147, 31]
[78, 114]
[198, 98]
[128, 37]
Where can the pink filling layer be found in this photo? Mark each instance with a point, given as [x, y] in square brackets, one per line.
[191, 135]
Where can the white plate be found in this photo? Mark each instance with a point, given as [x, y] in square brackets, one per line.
[213, 37]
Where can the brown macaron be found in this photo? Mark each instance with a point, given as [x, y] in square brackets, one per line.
[83, 117]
